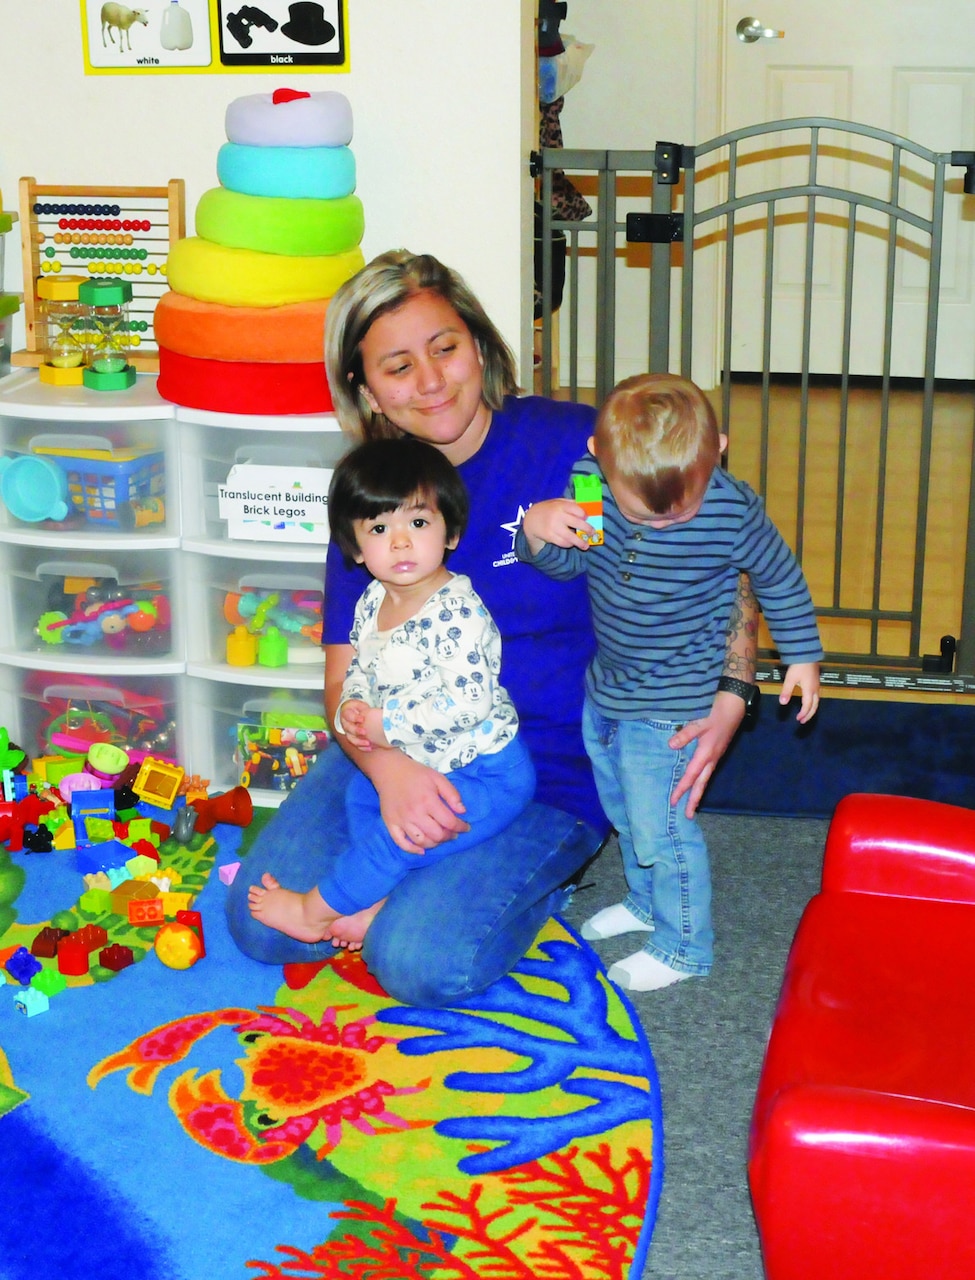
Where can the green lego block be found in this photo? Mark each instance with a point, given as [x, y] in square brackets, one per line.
[49, 981]
[588, 488]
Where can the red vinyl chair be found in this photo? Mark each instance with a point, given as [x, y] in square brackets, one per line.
[862, 1143]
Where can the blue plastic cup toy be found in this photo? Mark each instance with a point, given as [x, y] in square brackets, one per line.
[33, 489]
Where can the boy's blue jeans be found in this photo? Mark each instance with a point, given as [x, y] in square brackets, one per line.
[665, 858]
[449, 929]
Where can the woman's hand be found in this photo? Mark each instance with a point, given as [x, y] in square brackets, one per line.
[713, 734]
[420, 807]
[559, 521]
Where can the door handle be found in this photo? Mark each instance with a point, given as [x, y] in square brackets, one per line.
[749, 30]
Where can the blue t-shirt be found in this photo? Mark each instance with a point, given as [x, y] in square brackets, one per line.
[545, 626]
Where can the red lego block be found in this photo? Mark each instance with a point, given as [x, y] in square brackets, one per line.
[116, 957]
[146, 911]
[72, 957]
[45, 943]
[91, 936]
[195, 921]
[147, 849]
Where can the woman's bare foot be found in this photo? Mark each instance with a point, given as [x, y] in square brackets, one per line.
[350, 931]
[305, 916]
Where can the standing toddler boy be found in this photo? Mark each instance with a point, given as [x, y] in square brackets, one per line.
[678, 530]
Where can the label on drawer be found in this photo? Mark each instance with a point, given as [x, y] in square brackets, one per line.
[287, 504]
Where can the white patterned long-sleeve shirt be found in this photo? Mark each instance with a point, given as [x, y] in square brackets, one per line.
[435, 677]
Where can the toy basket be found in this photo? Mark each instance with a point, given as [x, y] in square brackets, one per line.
[104, 481]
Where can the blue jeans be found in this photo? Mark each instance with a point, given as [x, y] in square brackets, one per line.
[665, 858]
[449, 929]
[494, 789]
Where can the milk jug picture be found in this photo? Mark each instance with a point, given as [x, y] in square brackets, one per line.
[177, 27]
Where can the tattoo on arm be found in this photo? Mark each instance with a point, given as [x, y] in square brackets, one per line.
[741, 641]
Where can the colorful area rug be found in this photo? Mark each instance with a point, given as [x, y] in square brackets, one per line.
[233, 1119]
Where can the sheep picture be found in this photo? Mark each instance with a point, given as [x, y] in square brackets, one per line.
[121, 17]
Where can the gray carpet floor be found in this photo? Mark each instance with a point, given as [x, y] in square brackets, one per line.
[708, 1036]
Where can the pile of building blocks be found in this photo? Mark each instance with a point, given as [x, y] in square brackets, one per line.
[116, 817]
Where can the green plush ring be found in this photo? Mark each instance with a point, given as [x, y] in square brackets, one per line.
[272, 224]
[246, 278]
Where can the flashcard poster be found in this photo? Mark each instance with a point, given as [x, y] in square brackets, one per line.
[214, 36]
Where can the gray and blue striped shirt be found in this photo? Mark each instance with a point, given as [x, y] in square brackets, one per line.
[661, 599]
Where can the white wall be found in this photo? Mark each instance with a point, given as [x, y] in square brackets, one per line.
[638, 85]
[441, 95]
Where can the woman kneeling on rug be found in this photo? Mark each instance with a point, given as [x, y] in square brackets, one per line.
[409, 350]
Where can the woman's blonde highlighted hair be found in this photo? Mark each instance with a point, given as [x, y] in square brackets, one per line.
[384, 285]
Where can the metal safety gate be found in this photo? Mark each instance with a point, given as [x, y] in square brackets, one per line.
[796, 268]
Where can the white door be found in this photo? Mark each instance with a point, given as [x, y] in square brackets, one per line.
[906, 66]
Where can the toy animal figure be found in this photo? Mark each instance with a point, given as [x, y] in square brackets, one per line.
[121, 17]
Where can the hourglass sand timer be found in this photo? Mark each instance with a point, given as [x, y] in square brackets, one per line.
[108, 319]
[67, 335]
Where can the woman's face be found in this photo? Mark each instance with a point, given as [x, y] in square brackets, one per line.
[423, 372]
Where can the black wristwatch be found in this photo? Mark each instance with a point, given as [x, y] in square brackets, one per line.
[747, 692]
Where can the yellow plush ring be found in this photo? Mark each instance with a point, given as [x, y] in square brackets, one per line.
[272, 224]
[293, 334]
[245, 278]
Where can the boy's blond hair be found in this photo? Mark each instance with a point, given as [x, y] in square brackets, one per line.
[657, 433]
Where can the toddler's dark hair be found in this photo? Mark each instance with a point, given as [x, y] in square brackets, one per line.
[383, 475]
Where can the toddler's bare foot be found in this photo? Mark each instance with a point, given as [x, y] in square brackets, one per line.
[350, 931]
[305, 916]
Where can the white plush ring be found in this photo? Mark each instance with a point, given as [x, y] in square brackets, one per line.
[318, 120]
[272, 224]
[312, 173]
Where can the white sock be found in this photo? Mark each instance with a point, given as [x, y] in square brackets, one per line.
[643, 972]
[611, 922]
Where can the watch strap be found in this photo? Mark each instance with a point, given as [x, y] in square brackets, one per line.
[745, 690]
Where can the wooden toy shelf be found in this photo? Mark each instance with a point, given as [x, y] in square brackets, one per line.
[132, 241]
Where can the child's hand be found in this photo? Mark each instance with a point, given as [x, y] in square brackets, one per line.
[804, 678]
[559, 521]
[363, 724]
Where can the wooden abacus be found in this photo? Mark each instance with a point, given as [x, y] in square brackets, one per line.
[99, 232]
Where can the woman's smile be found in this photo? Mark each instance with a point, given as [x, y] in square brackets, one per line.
[423, 372]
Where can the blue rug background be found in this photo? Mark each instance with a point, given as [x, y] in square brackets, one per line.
[888, 748]
[105, 1181]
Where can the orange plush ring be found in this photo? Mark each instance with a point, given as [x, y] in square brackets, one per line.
[293, 334]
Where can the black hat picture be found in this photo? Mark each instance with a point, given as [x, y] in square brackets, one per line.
[307, 25]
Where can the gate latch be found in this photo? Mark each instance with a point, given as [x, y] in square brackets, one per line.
[654, 228]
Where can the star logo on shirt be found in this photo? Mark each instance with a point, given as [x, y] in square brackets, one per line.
[514, 525]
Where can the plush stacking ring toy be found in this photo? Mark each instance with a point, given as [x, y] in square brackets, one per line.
[246, 278]
[292, 334]
[272, 224]
[312, 173]
[289, 118]
[240, 386]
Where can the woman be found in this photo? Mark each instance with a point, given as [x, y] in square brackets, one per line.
[410, 350]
